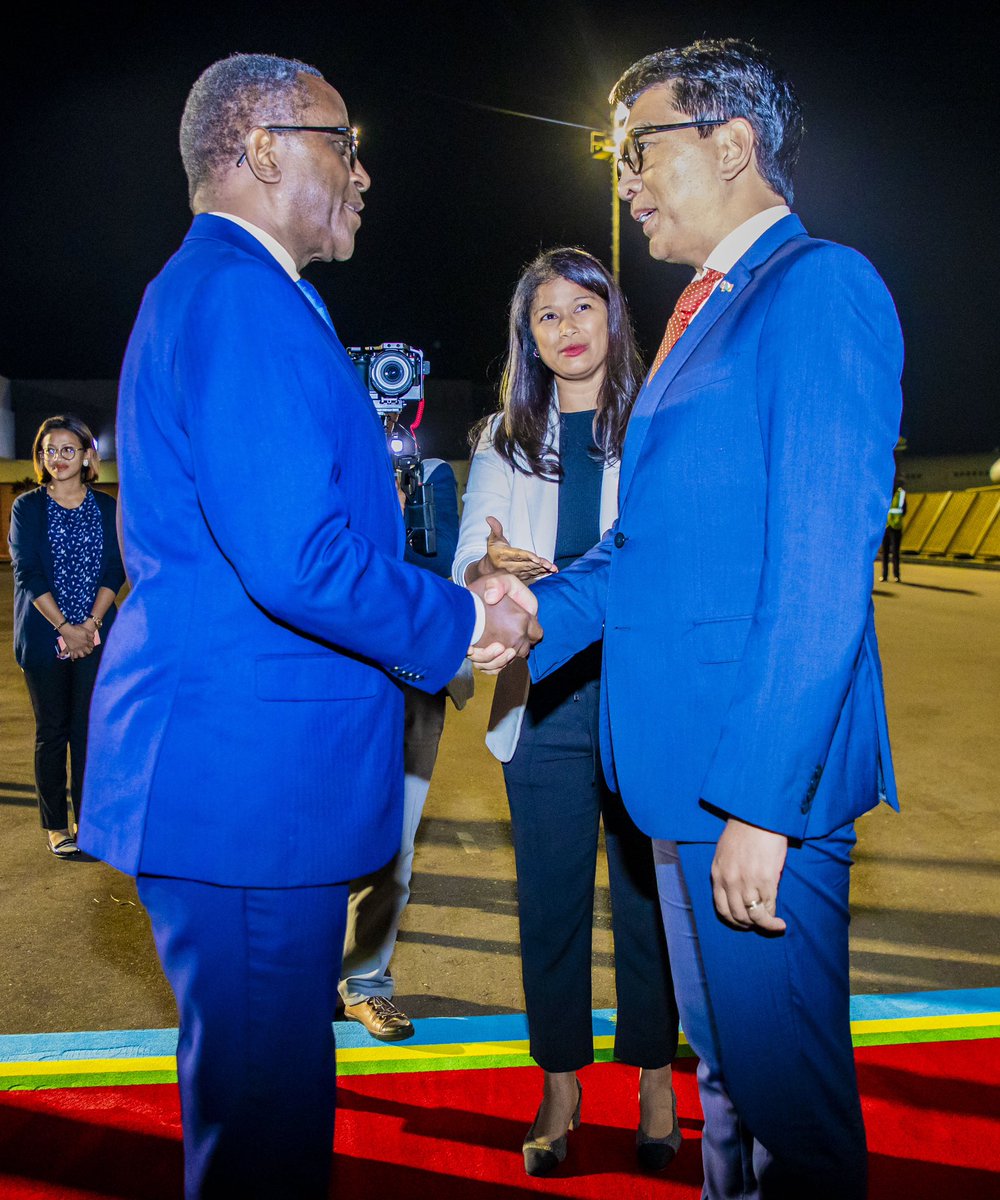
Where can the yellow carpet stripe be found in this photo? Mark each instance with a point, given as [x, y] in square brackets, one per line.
[905, 1024]
[89, 1066]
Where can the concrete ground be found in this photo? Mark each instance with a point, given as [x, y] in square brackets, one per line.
[76, 945]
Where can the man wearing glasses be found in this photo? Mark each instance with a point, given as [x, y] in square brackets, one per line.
[247, 723]
[745, 719]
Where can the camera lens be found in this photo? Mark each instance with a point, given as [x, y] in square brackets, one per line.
[391, 373]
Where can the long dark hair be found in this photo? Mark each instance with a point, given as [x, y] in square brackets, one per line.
[521, 434]
[88, 444]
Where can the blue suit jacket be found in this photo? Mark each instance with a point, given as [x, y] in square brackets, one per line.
[246, 727]
[34, 571]
[741, 671]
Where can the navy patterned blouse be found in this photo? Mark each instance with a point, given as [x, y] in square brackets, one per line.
[77, 542]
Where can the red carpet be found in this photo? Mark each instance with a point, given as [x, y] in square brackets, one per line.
[931, 1111]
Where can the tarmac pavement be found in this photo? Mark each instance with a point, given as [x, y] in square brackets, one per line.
[76, 946]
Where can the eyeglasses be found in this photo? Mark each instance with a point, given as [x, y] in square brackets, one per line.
[349, 131]
[66, 452]
[631, 146]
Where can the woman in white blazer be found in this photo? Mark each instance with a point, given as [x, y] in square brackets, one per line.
[542, 489]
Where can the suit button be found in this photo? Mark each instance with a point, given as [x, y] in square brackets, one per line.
[620, 540]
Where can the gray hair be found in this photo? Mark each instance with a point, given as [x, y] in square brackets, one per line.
[228, 99]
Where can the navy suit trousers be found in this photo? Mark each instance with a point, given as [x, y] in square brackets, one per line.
[255, 972]
[769, 1018]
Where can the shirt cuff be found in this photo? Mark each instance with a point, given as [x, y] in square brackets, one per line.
[480, 625]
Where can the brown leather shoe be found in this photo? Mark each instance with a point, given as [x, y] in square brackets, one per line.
[381, 1018]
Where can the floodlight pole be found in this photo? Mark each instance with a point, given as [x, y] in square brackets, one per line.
[604, 149]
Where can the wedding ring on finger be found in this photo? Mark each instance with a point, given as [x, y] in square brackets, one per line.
[754, 904]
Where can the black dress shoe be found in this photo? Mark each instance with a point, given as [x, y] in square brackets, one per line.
[541, 1156]
[654, 1154]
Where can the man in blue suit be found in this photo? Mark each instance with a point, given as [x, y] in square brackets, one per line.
[246, 753]
[743, 710]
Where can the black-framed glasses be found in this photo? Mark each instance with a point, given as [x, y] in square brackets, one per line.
[349, 131]
[631, 145]
[66, 452]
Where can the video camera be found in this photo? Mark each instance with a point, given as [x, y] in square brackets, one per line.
[393, 375]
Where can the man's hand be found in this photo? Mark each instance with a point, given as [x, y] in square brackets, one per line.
[511, 629]
[502, 556]
[745, 873]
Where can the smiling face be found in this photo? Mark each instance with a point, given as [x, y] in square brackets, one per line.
[678, 198]
[321, 192]
[570, 328]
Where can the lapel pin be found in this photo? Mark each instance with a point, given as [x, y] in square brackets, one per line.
[725, 286]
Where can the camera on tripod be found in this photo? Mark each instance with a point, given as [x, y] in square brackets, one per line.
[393, 375]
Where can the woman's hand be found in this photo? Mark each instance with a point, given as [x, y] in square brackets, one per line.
[79, 640]
[502, 556]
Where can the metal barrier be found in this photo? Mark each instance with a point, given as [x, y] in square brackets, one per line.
[956, 526]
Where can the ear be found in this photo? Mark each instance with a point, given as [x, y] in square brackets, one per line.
[736, 147]
[261, 150]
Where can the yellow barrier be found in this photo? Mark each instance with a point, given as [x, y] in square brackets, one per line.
[953, 526]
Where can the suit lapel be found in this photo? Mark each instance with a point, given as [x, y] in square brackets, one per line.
[655, 393]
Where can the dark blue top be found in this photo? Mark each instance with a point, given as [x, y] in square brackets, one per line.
[582, 466]
[445, 489]
[76, 540]
[35, 573]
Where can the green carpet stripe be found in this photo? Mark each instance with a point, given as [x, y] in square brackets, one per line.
[411, 1065]
[958, 1033]
[40, 1083]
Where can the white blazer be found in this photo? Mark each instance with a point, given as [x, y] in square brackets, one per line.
[528, 509]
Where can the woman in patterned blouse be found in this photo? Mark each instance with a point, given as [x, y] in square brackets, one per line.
[67, 572]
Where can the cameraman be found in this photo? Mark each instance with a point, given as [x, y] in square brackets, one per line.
[377, 901]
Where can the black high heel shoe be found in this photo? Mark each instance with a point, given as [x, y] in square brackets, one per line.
[654, 1154]
[541, 1156]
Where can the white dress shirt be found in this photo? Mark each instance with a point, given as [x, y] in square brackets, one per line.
[270, 244]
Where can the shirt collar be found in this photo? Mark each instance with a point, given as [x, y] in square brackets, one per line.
[734, 245]
[270, 244]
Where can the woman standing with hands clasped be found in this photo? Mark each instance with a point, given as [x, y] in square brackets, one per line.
[67, 572]
[542, 488]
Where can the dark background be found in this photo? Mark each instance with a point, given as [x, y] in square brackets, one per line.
[896, 163]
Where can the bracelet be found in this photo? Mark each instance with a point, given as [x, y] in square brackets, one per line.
[97, 620]
[64, 621]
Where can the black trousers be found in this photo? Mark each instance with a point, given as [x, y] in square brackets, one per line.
[60, 691]
[891, 540]
[557, 796]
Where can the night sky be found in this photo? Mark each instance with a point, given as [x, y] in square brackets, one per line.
[895, 163]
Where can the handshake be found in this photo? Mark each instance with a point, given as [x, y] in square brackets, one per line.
[511, 628]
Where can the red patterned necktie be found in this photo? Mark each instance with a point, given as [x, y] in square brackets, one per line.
[688, 303]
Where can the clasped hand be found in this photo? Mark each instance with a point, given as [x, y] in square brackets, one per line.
[511, 628]
[79, 640]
